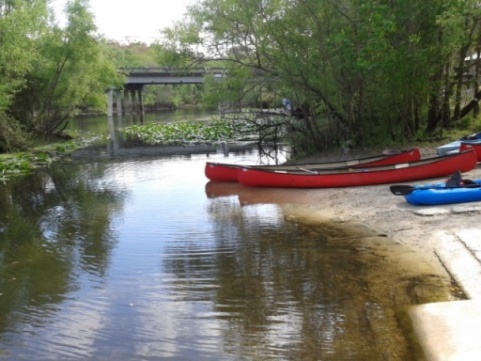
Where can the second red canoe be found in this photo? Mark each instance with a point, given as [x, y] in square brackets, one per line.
[351, 177]
[475, 146]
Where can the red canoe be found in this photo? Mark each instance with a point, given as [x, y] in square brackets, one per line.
[476, 146]
[223, 172]
[349, 177]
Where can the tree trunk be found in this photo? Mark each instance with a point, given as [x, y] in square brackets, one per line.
[473, 105]
[433, 113]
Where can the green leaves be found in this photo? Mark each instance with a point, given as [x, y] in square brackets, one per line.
[370, 64]
[193, 132]
[19, 26]
[49, 73]
[21, 163]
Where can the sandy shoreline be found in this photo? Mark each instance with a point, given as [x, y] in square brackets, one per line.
[417, 227]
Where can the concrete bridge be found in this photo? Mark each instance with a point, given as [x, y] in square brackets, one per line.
[137, 78]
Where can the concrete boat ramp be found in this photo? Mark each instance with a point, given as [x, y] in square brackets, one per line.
[451, 331]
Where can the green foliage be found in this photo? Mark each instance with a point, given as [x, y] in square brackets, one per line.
[176, 52]
[22, 163]
[131, 55]
[468, 125]
[17, 165]
[378, 69]
[20, 23]
[39, 155]
[12, 136]
[159, 96]
[71, 72]
[48, 73]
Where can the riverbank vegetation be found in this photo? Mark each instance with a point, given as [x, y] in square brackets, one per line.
[367, 73]
[377, 71]
[48, 73]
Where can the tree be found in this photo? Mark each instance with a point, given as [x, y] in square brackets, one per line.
[372, 72]
[21, 22]
[460, 36]
[69, 72]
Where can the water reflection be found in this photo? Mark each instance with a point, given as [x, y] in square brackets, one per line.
[311, 290]
[129, 259]
[253, 195]
[55, 225]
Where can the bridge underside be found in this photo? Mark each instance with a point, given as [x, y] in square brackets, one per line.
[130, 99]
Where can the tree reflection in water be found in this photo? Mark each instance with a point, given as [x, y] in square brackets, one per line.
[101, 259]
[53, 222]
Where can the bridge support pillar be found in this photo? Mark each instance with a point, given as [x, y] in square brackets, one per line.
[133, 102]
[110, 101]
[141, 100]
[126, 103]
[136, 103]
[113, 96]
[118, 101]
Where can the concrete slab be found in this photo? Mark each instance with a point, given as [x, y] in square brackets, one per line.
[471, 237]
[429, 212]
[466, 209]
[460, 262]
[448, 331]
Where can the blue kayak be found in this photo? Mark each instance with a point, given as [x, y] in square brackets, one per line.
[434, 194]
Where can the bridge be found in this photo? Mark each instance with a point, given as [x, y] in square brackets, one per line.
[137, 78]
[170, 75]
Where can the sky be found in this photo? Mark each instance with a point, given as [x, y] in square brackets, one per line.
[131, 21]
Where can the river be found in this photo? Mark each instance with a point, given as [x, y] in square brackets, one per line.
[134, 255]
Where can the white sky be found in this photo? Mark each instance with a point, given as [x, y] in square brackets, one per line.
[130, 21]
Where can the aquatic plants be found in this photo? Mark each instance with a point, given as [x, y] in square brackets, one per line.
[22, 163]
[200, 132]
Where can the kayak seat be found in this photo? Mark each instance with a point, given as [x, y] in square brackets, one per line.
[455, 180]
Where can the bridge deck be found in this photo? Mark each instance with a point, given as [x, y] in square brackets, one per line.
[170, 75]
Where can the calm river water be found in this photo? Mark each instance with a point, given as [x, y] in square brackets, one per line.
[138, 257]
